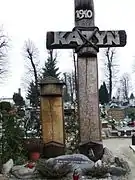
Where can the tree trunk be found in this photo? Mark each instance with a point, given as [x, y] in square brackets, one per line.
[36, 80]
[110, 83]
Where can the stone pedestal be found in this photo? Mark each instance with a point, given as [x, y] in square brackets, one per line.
[52, 116]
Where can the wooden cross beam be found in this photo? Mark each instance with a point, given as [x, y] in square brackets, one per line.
[71, 40]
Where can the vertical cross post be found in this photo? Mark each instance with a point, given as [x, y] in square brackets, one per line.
[87, 67]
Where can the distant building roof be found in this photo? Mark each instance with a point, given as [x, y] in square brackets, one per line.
[7, 99]
[113, 105]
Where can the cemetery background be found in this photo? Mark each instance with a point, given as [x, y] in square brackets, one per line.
[25, 112]
[26, 119]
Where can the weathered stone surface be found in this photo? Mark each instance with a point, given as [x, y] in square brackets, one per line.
[78, 161]
[117, 171]
[98, 163]
[7, 166]
[63, 165]
[75, 158]
[108, 156]
[120, 162]
[22, 172]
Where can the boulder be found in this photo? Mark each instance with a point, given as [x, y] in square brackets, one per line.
[78, 161]
[74, 158]
[7, 166]
[120, 162]
[98, 163]
[65, 164]
[108, 156]
[23, 172]
[117, 171]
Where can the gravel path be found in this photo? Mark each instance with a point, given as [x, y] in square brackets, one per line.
[120, 147]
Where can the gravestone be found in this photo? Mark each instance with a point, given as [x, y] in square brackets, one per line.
[86, 39]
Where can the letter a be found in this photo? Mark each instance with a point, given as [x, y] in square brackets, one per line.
[74, 37]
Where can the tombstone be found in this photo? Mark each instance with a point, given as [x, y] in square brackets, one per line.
[52, 117]
[86, 39]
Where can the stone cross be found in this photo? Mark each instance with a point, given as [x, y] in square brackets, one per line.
[86, 39]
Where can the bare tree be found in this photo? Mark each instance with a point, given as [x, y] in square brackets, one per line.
[125, 86]
[32, 64]
[3, 54]
[70, 91]
[75, 77]
[110, 69]
[70, 79]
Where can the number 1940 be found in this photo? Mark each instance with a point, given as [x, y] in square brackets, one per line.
[80, 14]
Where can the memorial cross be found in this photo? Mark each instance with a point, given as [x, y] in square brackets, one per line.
[86, 39]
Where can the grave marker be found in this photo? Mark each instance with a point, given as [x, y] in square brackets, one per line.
[86, 39]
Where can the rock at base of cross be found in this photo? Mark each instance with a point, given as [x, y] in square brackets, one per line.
[63, 167]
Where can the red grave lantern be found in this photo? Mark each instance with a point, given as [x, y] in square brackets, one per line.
[34, 156]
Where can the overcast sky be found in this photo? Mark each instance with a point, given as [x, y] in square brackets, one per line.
[23, 19]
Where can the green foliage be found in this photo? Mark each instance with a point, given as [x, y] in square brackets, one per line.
[32, 94]
[20, 112]
[33, 121]
[5, 106]
[51, 68]
[130, 112]
[72, 131]
[18, 99]
[103, 94]
[12, 137]
[49, 170]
